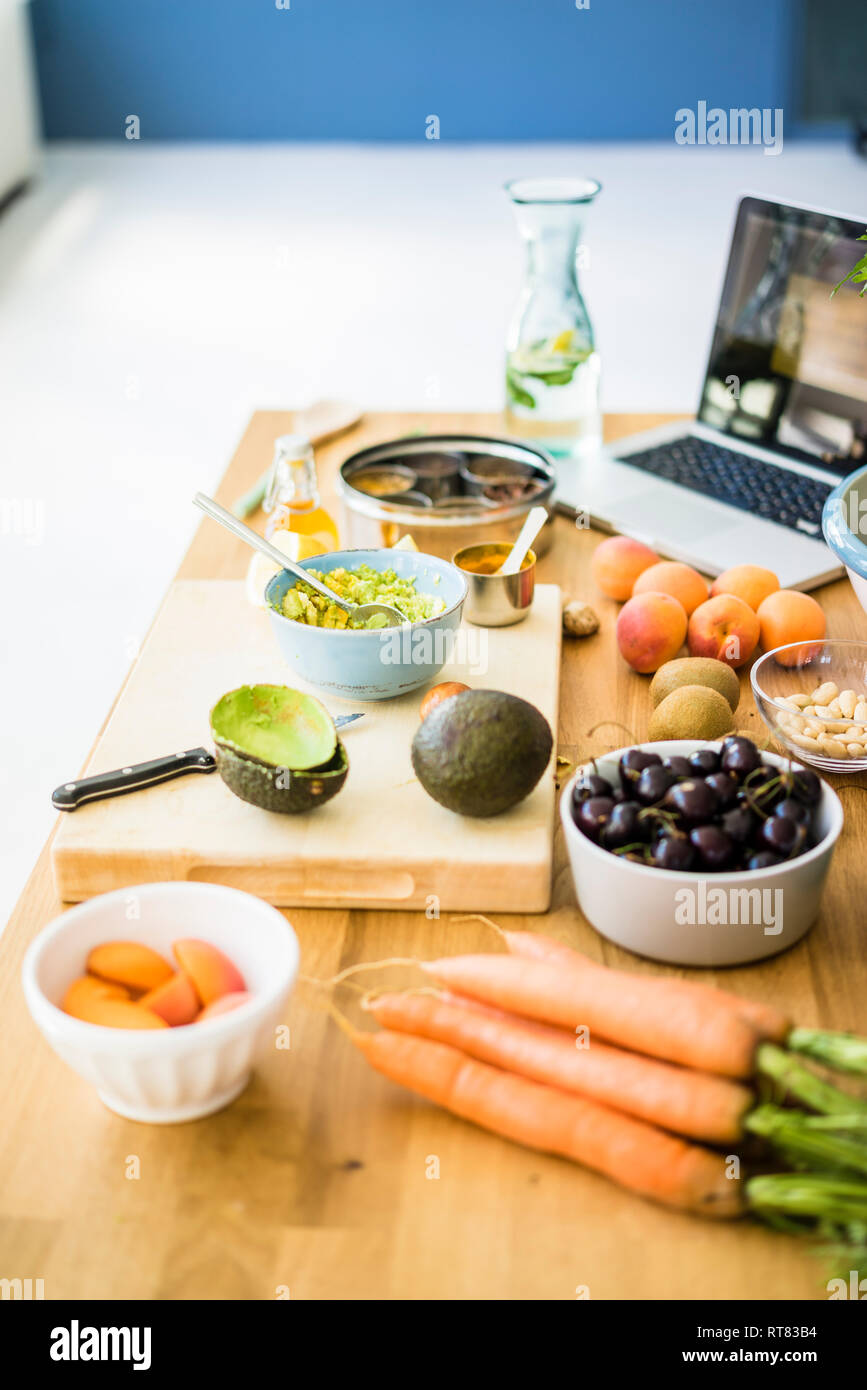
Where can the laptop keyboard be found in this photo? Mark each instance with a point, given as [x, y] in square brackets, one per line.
[772, 493]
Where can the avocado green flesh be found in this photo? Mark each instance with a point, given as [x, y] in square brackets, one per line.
[280, 788]
[481, 752]
[274, 725]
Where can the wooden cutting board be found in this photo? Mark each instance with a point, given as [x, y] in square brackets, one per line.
[382, 842]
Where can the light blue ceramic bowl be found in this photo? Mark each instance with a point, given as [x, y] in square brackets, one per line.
[377, 665]
[844, 523]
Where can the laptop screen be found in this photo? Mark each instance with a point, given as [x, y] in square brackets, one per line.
[788, 363]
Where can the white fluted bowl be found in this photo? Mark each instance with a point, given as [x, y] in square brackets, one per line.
[165, 1076]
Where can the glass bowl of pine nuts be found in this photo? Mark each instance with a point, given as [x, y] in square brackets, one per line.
[813, 698]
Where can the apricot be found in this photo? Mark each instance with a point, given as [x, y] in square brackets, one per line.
[724, 628]
[119, 1013]
[175, 1000]
[751, 583]
[438, 693]
[671, 577]
[650, 630]
[87, 990]
[790, 616]
[212, 973]
[129, 963]
[224, 1005]
[617, 563]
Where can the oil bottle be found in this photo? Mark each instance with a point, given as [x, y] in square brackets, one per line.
[292, 498]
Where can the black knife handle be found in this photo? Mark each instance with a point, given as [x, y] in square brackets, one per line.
[71, 795]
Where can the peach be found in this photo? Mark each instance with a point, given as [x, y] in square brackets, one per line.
[175, 1000]
[119, 1013]
[650, 630]
[671, 577]
[751, 583]
[224, 1005]
[790, 616]
[724, 628]
[437, 694]
[87, 990]
[212, 973]
[617, 563]
[129, 963]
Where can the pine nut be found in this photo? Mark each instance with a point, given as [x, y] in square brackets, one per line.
[810, 745]
[823, 693]
[832, 747]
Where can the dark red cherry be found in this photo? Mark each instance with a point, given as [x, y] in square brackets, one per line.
[783, 836]
[740, 756]
[763, 859]
[633, 762]
[680, 767]
[673, 852]
[653, 782]
[704, 761]
[726, 788]
[623, 826]
[590, 784]
[715, 850]
[806, 786]
[739, 824]
[591, 815]
[795, 810]
[692, 802]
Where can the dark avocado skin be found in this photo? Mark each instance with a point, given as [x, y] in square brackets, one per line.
[257, 782]
[482, 751]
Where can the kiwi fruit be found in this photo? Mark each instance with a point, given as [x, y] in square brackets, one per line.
[695, 670]
[691, 711]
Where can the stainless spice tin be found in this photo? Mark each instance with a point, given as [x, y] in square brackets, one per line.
[371, 522]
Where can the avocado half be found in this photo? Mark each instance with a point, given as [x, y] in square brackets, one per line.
[481, 751]
[277, 748]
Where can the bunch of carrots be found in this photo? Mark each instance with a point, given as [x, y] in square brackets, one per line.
[667, 1085]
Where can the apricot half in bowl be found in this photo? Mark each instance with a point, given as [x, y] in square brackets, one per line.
[277, 748]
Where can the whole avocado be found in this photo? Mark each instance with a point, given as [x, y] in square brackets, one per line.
[482, 751]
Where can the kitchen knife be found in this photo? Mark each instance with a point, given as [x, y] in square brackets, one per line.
[122, 780]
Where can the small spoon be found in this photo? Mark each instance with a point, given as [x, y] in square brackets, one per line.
[361, 611]
[536, 518]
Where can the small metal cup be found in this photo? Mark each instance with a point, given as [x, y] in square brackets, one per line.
[496, 600]
[406, 499]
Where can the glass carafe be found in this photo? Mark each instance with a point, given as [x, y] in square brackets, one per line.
[552, 366]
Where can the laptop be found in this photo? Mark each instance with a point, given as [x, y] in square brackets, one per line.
[781, 419]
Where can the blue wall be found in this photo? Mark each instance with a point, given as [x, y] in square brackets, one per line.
[374, 69]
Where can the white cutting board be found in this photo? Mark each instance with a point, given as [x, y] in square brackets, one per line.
[382, 842]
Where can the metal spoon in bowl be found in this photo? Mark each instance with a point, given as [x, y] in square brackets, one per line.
[359, 611]
[536, 518]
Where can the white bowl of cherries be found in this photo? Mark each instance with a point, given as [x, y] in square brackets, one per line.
[699, 853]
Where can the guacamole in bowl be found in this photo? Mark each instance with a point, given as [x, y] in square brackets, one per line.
[362, 584]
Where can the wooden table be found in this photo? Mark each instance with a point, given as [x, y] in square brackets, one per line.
[320, 1179]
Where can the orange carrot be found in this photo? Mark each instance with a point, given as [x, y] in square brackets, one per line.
[770, 1022]
[636, 1155]
[691, 1103]
[643, 1013]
